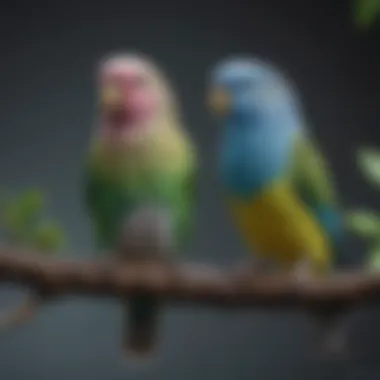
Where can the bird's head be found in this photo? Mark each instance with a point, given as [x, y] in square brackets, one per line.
[131, 95]
[244, 87]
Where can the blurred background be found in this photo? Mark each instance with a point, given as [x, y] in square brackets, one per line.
[48, 54]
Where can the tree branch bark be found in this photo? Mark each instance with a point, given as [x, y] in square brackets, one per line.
[185, 283]
[323, 299]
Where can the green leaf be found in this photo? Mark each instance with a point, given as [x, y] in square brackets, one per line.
[48, 237]
[23, 223]
[20, 214]
[369, 163]
[30, 204]
[12, 222]
[365, 13]
[373, 261]
[364, 223]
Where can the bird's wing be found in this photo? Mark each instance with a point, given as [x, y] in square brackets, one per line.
[106, 204]
[312, 180]
[189, 186]
[310, 173]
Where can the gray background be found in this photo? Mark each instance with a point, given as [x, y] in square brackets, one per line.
[48, 52]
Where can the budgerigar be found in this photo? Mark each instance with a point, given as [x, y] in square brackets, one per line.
[277, 185]
[140, 177]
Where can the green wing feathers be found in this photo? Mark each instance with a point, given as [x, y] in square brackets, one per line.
[187, 202]
[310, 173]
[313, 183]
[107, 204]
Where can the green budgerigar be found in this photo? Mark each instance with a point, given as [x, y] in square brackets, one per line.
[140, 178]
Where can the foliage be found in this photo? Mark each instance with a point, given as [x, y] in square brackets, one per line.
[365, 13]
[374, 257]
[367, 223]
[24, 222]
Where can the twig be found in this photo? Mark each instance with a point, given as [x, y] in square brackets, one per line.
[23, 312]
[20, 314]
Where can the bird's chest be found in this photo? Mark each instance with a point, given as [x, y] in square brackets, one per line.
[276, 224]
[250, 159]
[130, 177]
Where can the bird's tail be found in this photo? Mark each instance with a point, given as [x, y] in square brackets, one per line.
[141, 329]
[330, 333]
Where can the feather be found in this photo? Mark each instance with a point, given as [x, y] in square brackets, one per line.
[312, 180]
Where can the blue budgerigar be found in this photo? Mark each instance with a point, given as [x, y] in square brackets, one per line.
[277, 183]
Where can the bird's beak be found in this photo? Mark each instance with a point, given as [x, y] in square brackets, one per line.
[219, 101]
[110, 98]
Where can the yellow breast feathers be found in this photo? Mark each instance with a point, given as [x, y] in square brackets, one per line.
[277, 224]
[166, 151]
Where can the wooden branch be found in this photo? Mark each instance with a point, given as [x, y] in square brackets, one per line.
[186, 283]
